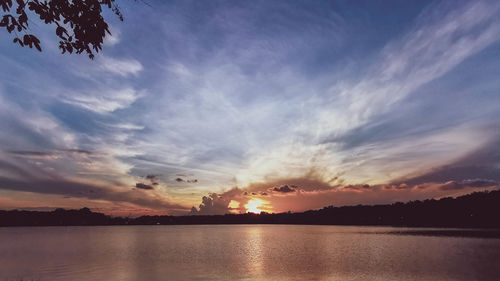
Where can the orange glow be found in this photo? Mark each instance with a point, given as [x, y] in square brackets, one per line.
[255, 206]
[234, 207]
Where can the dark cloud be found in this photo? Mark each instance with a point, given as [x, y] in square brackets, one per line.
[476, 183]
[45, 154]
[184, 180]
[15, 170]
[480, 164]
[285, 189]
[357, 186]
[42, 181]
[153, 179]
[213, 204]
[334, 179]
[308, 183]
[479, 169]
[446, 185]
[36, 154]
[90, 191]
[218, 204]
[479, 182]
[79, 151]
[143, 186]
[397, 186]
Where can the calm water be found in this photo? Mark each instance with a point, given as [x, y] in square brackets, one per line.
[242, 252]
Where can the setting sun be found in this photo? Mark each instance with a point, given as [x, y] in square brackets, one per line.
[255, 206]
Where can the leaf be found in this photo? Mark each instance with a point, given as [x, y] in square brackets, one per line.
[4, 21]
[34, 38]
[23, 19]
[37, 46]
[83, 19]
[6, 5]
[59, 32]
[27, 40]
[69, 48]
[17, 40]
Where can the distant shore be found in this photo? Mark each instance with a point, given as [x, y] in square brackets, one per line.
[475, 210]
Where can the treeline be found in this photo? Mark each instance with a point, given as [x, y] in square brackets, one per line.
[58, 217]
[475, 210]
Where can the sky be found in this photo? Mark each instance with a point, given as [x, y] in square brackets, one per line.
[213, 107]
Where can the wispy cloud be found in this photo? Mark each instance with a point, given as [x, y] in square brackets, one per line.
[122, 67]
[440, 40]
[234, 94]
[103, 101]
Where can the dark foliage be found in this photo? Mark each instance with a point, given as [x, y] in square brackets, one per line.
[57, 217]
[79, 23]
[475, 210]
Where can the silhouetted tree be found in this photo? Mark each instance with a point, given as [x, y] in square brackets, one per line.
[79, 23]
[475, 210]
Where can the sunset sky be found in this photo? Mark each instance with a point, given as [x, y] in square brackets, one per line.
[235, 106]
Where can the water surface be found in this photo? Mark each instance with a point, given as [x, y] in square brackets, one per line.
[246, 252]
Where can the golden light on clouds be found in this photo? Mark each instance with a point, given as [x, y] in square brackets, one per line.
[256, 206]
[233, 206]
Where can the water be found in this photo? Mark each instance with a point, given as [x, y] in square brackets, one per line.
[243, 252]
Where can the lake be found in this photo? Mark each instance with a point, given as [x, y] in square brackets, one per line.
[245, 252]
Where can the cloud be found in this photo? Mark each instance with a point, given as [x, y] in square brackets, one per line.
[79, 151]
[114, 38]
[92, 191]
[48, 155]
[213, 204]
[480, 163]
[357, 186]
[475, 183]
[308, 182]
[438, 42]
[121, 67]
[285, 189]
[103, 101]
[30, 127]
[219, 204]
[144, 186]
[186, 180]
[97, 183]
[34, 154]
[264, 102]
[153, 179]
[307, 200]
[301, 200]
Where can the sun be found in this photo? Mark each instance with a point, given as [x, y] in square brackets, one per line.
[255, 206]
